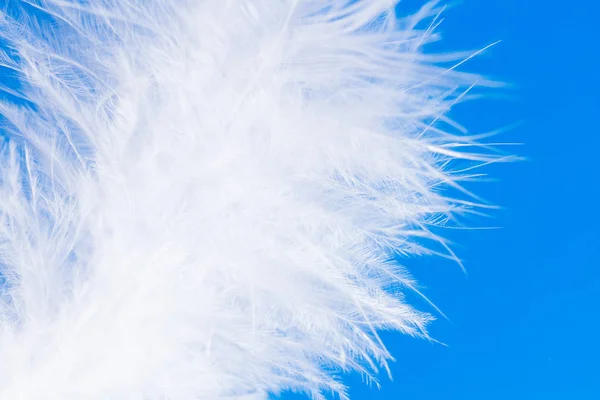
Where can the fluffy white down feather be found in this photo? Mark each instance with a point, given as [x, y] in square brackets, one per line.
[206, 199]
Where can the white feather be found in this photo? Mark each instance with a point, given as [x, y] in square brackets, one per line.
[203, 199]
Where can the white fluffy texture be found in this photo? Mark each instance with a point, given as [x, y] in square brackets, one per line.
[202, 199]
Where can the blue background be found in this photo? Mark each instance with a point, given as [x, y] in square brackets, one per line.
[524, 323]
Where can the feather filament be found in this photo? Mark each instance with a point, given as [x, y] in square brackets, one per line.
[204, 199]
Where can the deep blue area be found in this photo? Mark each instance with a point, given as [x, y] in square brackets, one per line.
[523, 322]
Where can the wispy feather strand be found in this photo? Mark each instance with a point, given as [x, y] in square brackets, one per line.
[204, 199]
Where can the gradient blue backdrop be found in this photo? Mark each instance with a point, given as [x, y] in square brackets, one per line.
[524, 323]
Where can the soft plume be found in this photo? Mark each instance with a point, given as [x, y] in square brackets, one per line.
[211, 199]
